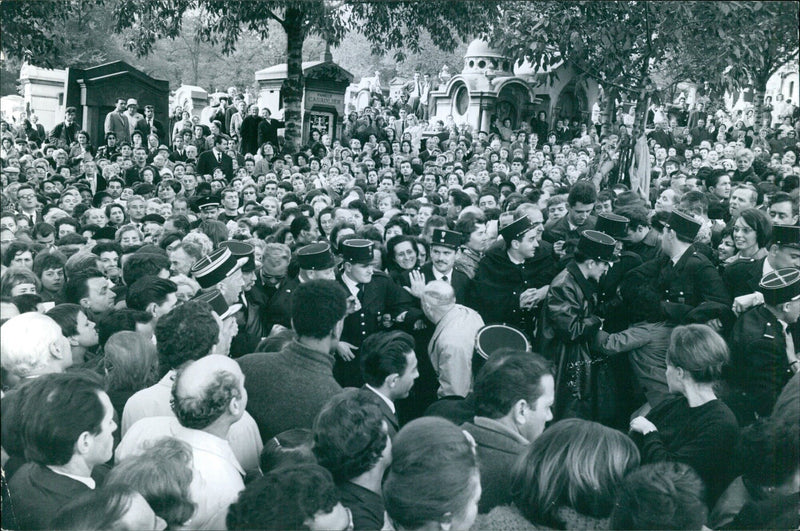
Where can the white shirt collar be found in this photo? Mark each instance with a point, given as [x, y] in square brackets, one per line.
[382, 397]
[767, 268]
[514, 260]
[438, 276]
[351, 284]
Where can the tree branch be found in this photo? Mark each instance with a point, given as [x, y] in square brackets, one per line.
[271, 14]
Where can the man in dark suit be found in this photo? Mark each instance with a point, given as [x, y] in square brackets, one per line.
[376, 303]
[178, 152]
[214, 158]
[389, 368]
[151, 125]
[273, 289]
[690, 286]
[512, 278]
[444, 244]
[268, 129]
[565, 233]
[430, 146]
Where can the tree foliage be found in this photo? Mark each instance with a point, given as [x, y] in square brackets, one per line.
[397, 27]
[387, 26]
[624, 44]
[734, 45]
[615, 43]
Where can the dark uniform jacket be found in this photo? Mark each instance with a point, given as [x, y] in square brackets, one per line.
[499, 282]
[759, 366]
[611, 306]
[567, 329]
[742, 276]
[691, 290]
[459, 281]
[382, 301]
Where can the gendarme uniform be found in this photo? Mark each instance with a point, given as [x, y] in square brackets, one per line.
[499, 282]
[610, 304]
[691, 289]
[763, 354]
[251, 330]
[569, 324]
[215, 267]
[373, 307]
[743, 276]
[315, 257]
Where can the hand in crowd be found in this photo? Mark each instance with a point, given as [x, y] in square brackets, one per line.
[642, 425]
[417, 287]
[345, 351]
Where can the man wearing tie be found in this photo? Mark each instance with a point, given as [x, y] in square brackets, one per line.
[414, 89]
[150, 125]
[215, 158]
[400, 123]
[444, 244]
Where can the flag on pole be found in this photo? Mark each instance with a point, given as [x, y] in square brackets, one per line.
[640, 169]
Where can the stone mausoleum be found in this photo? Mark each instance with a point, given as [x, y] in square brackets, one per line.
[490, 86]
[323, 98]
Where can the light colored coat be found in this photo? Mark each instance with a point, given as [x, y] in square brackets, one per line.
[451, 349]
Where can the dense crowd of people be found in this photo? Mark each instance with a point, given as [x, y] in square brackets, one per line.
[412, 325]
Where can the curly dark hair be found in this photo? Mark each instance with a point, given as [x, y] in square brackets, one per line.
[192, 319]
[349, 435]
[201, 410]
[284, 499]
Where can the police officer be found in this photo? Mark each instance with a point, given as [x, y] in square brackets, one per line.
[251, 330]
[512, 279]
[609, 302]
[444, 245]
[743, 276]
[690, 286]
[316, 262]
[375, 303]
[764, 355]
[568, 328]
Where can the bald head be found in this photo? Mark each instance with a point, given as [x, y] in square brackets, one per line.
[33, 344]
[437, 299]
[209, 391]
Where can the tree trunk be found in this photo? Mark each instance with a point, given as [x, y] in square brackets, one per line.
[292, 90]
[759, 89]
[609, 107]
